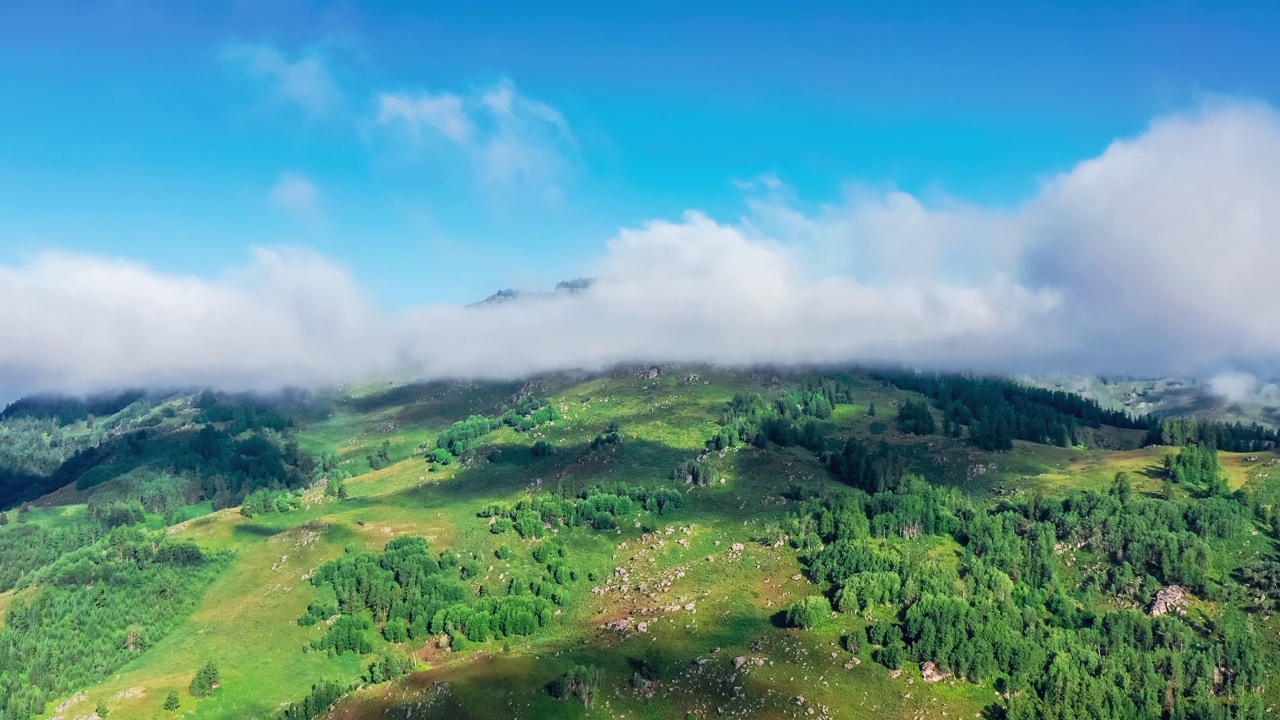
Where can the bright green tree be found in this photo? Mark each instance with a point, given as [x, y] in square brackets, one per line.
[205, 681]
[808, 611]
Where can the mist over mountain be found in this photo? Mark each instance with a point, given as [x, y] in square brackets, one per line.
[1227, 397]
[1141, 261]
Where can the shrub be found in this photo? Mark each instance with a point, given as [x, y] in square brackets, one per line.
[395, 631]
[808, 611]
[850, 643]
[388, 667]
[346, 635]
[891, 655]
[205, 681]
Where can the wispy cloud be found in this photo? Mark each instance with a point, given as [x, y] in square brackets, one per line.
[442, 113]
[295, 193]
[1149, 259]
[508, 137]
[304, 81]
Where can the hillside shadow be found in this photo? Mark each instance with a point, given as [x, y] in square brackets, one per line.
[751, 495]
[255, 530]
[573, 467]
[393, 397]
[445, 400]
[1154, 471]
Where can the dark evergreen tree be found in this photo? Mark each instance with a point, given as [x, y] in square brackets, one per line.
[915, 418]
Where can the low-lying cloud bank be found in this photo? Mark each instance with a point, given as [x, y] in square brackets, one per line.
[1156, 257]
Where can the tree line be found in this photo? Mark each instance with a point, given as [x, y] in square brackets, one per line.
[1231, 437]
[997, 411]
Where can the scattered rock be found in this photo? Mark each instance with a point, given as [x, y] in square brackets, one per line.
[132, 692]
[1168, 599]
[618, 625]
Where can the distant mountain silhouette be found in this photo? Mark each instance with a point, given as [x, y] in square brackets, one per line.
[507, 295]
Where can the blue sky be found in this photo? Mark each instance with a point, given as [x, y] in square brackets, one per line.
[181, 134]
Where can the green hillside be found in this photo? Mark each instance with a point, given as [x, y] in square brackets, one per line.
[684, 542]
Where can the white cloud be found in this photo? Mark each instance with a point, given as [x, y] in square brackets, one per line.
[692, 290]
[293, 192]
[1238, 387]
[79, 323]
[1163, 241]
[507, 137]
[304, 81]
[1153, 258]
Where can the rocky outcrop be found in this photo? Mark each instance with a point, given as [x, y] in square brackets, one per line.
[1170, 599]
[930, 673]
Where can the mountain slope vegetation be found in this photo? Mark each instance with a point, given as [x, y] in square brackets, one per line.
[649, 542]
